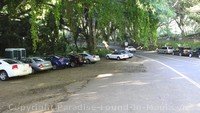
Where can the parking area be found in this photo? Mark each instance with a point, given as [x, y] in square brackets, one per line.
[54, 84]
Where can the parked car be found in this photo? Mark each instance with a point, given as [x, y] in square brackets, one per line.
[127, 52]
[196, 52]
[58, 61]
[38, 64]
[183, 51]
[165, 50]
[90, 58]
[15, 53]
[12, 68]
[130, 49]
[117, 55]
[75, 60]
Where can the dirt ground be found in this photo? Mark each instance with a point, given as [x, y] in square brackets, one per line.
[55, 85]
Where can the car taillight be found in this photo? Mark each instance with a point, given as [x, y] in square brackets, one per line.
[40, 66]
[15, 67]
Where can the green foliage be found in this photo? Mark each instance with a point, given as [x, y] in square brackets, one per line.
[34, 26]
[102, 52]
[93, 20]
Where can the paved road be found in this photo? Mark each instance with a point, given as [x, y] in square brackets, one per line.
[170, 85]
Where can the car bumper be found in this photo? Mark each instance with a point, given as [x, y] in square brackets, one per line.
[95, 59]
[21, 72]
[45, 68]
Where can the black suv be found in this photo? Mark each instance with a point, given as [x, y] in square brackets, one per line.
[75, 60]
[183, 51]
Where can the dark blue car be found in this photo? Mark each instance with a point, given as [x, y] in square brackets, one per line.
[58, 61]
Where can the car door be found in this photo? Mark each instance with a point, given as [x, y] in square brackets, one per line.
[116, 55]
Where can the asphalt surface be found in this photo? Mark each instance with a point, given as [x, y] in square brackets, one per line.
[170, 85]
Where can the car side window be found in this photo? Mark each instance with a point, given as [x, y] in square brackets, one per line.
[164, 47]
[28, 61]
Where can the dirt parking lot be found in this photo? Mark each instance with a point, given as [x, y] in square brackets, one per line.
[56, 85]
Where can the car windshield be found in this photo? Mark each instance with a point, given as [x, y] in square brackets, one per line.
[124, 52]
[164, 47]
[58, 57]
[38, 59]
[12, 62]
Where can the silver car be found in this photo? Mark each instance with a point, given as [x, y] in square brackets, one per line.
[165, 50]
[90, 58]
[127, 52]
[38, 64]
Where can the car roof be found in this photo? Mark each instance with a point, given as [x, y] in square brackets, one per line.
[7, 59]
[2, 60]
[34, 57]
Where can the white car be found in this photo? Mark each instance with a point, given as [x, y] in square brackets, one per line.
[12, 68]
[165, 50]
[130, 49]
[117, 55]
[90, 58]
[127, 52]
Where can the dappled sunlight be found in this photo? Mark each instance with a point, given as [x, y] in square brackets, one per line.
[79, 94]
[90, 96]
[175, 78]
[104, 75]
[138, 82]
[104, 86]
[192, 107]
[125, 83]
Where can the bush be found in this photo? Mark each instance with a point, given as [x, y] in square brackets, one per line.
[102, 52]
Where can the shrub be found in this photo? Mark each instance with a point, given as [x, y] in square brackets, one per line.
[102, 52]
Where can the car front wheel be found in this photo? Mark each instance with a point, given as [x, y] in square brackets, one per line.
[3, 75]
[54, 67]
[88, 61]
[107, 57]
[190, 55]
[118, 58]
[72, 64]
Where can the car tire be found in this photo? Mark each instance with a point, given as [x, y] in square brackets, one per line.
[33, 71]
[180, 54]
[54, 67]
[190, 55]
[88, 61]
[118, 58]
[3, 76]
[107, 57]
[72, 64]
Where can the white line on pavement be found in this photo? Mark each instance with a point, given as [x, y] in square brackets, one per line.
[177, 72]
